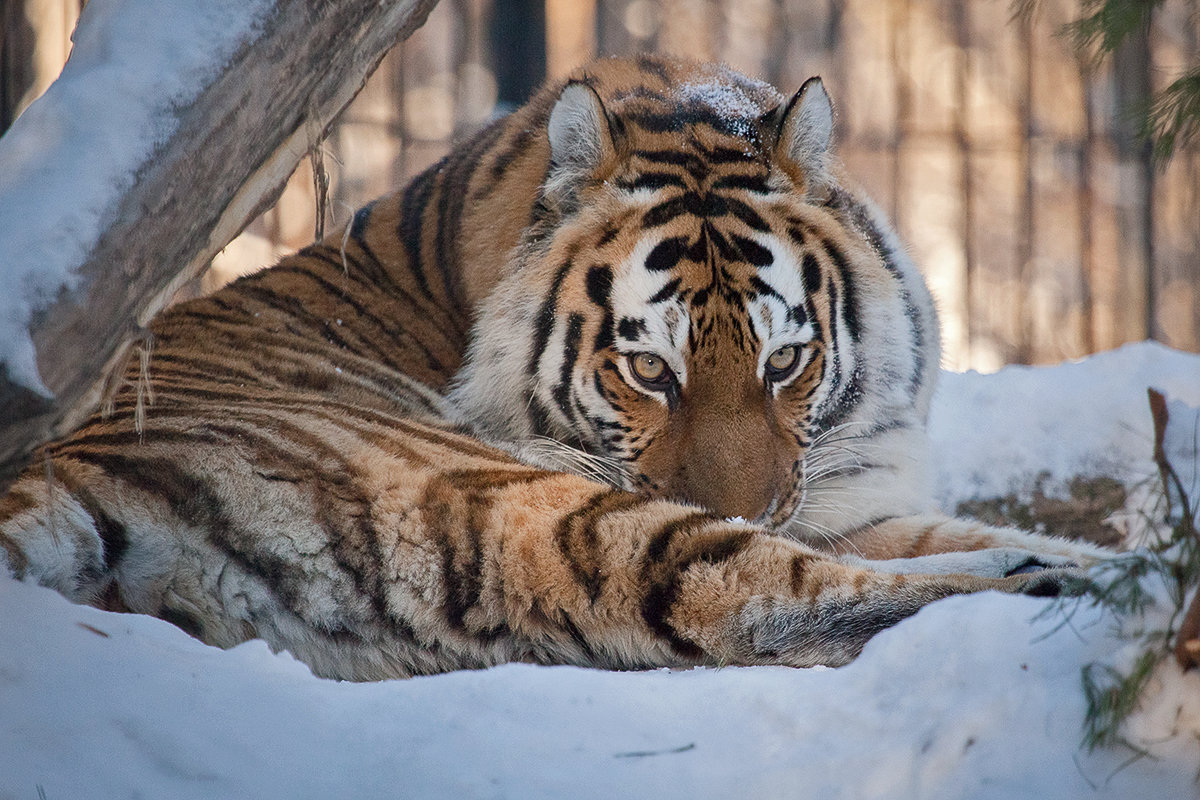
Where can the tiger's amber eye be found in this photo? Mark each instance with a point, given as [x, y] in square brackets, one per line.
[781, 361]
[648, 367]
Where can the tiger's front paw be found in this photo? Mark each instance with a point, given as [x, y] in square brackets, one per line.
[1051, 582]
[1016, 561]
[994, 562]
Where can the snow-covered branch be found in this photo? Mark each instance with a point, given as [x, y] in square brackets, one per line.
[173, 124]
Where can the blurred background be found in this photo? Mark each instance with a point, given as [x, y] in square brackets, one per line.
[1023, 189]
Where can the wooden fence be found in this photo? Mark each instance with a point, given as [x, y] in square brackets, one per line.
[1023, 191]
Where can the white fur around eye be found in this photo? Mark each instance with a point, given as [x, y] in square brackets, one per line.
[772, 313]
[664, 324]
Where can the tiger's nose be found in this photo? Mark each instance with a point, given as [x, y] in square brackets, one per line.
[731, 471]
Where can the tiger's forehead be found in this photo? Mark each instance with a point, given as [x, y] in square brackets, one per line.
[665, 95]
[701, 260]
[686, 286]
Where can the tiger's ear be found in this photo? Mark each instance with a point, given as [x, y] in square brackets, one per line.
[805, 139]
[581, 138]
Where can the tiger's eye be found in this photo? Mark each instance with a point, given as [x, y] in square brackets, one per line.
[648, 367]
[783, 358]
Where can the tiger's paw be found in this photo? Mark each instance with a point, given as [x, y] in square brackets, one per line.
[1051, 582]
[993, 562]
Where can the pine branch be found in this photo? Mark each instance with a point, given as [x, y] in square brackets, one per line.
[1106, 24]
[1187, 640]
[1111, 697]
[1173, 119]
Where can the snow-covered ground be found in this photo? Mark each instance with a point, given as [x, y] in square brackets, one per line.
[1089, 418]
[974, 697]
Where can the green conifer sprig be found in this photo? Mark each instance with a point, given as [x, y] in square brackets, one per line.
[1120, 585]
[1171, 119]
[1105, 24]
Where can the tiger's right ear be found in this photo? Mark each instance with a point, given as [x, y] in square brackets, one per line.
[581, 138]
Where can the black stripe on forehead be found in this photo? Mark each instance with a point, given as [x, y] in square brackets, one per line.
[666, 211]
[746, 214]
[651, 180]
[725, 250]
[699, 162]
[689, 115]
[704, 205]
[679, 158]
[756, 182]
[667, 254]
[753, 253]
[707, 205]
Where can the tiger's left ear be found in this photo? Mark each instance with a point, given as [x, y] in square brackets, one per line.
[581, 139]
[804, 141]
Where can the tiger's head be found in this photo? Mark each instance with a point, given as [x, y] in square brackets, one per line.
[699, 302]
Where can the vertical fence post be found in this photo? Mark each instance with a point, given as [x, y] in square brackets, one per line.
[1026, 220]
[518, 34]
[1087, 208]
[962, 141]
[1135, 206]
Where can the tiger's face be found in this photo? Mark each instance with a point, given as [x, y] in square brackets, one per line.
[680, 317]
[701, 349]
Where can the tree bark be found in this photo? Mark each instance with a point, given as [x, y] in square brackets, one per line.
[232, 152]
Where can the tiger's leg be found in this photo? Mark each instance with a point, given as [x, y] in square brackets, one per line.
[600, 577]
[934, 543]
[451, 561]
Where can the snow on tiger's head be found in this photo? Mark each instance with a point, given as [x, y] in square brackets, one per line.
[689, 309]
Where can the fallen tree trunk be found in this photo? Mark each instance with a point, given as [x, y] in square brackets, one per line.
[231, 152]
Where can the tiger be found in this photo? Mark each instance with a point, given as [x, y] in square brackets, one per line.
[634, 377]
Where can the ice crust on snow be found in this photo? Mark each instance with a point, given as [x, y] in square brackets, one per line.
[974, 697]
[67, 160]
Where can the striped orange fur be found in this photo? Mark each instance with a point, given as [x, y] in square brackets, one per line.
[509, 413]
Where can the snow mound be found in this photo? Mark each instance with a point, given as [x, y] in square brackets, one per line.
[994, 434]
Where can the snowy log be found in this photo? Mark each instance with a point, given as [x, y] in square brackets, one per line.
[227, 97]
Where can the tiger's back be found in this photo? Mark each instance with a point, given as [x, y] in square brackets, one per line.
[506, 414]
